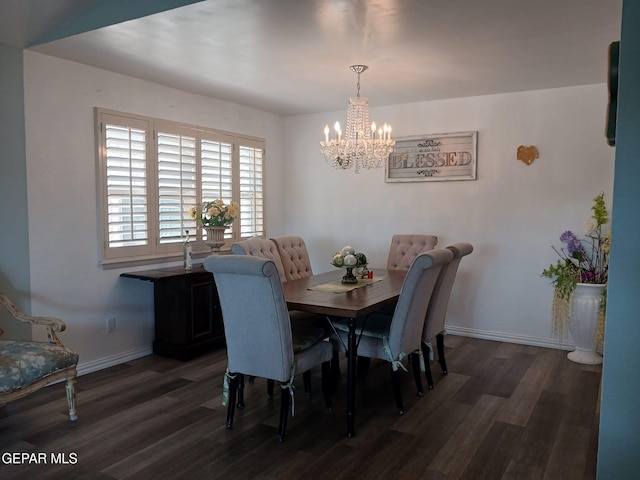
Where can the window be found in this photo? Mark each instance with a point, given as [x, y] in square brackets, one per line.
[152, 172]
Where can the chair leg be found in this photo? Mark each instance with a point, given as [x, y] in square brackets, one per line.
[441, 360]
[415, 366]
[284, 414]
[427, 365]
[327, 384]
[335, 369]
[231, 405]
[269, 389]
[397, 393]
[70, 387]
[363, 367]
[240, 391]
[306, 377]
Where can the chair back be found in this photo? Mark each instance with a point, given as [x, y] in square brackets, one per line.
[404, 249]
[260, 247]
[294, 256]
[256, 322]
[437, 311]
[405, 332]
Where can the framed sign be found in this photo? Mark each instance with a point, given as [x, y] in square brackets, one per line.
[433, 158]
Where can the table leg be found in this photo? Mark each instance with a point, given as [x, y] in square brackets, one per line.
[351, 378]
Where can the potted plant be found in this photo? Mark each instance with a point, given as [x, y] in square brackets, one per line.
[580, 281]
[215, 217]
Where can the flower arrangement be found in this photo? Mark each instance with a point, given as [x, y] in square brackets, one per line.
[215, 213]
[581, 261]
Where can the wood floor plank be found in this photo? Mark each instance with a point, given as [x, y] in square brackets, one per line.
[504, 411]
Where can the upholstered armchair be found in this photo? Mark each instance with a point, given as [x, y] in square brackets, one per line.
[27, 366]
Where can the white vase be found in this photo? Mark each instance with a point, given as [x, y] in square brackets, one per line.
[585, 312]
[215, 237]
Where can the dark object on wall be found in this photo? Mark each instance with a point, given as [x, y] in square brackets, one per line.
[612, 108]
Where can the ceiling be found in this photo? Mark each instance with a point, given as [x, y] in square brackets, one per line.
[293, 56]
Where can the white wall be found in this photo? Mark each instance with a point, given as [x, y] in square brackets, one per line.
[66, 280]
[512, 213]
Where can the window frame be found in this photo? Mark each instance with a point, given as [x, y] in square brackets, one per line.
[154, 250]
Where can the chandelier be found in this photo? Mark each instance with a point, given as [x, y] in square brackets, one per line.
[362, 146]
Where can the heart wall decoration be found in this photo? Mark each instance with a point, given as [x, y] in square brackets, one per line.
[527, 154]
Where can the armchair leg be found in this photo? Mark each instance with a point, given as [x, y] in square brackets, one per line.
[441, 360]
[397, 393]
[427, 365]
[415, 366]
[70, 387]
[327, 384]
[284, 414]
[231, 406]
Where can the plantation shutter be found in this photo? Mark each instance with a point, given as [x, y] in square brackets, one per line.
[217, 170]
[177, 182]
[251, 189]
[125, 186]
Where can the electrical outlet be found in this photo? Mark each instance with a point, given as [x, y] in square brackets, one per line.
[111, 325]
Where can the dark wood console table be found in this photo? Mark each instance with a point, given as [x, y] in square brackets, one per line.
[188, 320]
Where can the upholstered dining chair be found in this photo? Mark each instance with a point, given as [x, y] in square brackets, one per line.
[392, 341]
[258, 331]
[294, 256]
[260, 247]
[27, 366]
[437, 311]
[265, 248]
[405, 247]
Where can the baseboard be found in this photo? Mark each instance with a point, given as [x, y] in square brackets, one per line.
[106, 362]
[113, 360]
[508, 337]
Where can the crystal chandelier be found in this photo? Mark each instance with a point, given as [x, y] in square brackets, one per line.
[362, 146]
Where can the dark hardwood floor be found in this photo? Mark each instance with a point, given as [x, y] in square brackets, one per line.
[504, 411]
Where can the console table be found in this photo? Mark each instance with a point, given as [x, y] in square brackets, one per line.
[188, 320]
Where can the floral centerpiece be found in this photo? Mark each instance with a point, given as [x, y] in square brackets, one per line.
[214, 217]
[215, 213]
[584, 261]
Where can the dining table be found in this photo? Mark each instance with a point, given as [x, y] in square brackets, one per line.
[325, 294]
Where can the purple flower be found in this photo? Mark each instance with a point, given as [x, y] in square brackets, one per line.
[573, 244]
[588, 277]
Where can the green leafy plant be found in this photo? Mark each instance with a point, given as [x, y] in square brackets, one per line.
[583, 260]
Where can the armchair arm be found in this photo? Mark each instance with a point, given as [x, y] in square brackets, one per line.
[53, 324]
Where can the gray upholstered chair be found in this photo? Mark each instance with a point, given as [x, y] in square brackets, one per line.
[405, 247]
[265, 248]
[27, 366]
[294, 256]
[260, 247]
[437, 311]
[258, 330]
[392, 341]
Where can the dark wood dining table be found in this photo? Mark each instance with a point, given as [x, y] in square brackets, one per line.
[350, 305]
